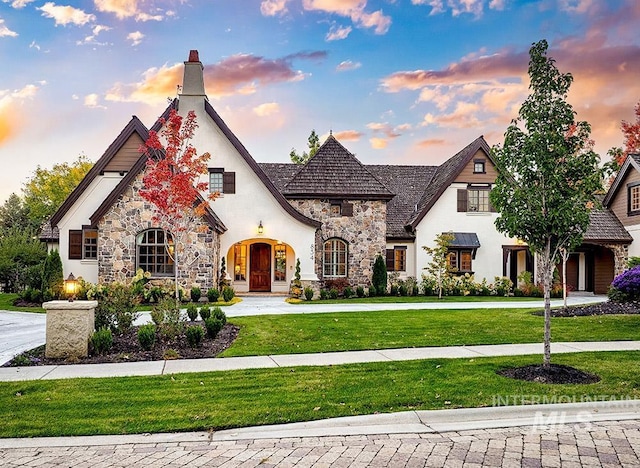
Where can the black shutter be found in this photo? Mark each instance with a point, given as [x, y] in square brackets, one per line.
[75, 245]
[229, 182]
[462, 200]
[346, 209]
[390, 259]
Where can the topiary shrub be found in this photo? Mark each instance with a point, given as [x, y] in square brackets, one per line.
[360, 291]
[324, 294]
[102, 340]
[219, 315]
[205, 312]
[147, 336]
[379, 278]
[213, 326]
[228, 293]
[394, 290]
[333, 293]
[195, 334]
[308, 293]
[628, 283]
[213, 295]
[372, 291]
[192, 312]
[195, 293]
[348, 292]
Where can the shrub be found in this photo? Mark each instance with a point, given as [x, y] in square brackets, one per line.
[195, 293]
[170, 354]
[615, 295]
[205, 312]
[192, 311]
[324, 294]
[195, 334]
[213, 294]
[394, 290]
[348, 292]
[403, 290]
[360, 291]
[102, 340]
[213, 326]
[502, 285]
[308, 293]
[52, 275]
[157, 316]
[117, 307]
[633, 262]
[338, 283]
[228, 293]
[628, 283]
[147, 336]
[333, 293]
[219, 315]
[372, 291]
[379, 278]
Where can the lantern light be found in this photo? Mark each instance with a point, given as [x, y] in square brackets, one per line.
[71, 287]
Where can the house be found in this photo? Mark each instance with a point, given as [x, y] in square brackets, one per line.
[334, 215]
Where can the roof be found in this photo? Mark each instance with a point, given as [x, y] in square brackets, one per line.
[605, 227]
[444, 176]
[334, 172]
[632, 162]
[465, 240]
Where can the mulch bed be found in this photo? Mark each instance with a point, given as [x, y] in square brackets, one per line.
[602, 308]
[553, 374]
[126, 348]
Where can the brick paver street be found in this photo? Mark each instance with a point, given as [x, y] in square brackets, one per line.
[605, 444]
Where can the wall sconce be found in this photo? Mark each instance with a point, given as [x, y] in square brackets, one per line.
[71, 287]
[260, 228]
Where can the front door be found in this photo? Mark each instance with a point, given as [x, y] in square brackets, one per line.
[260, 265]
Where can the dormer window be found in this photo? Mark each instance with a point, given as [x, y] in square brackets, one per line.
[479, 166]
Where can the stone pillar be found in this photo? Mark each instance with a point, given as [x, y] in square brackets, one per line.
[69, 327]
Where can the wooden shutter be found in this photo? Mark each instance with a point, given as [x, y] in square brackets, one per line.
[390, 259]
[346, 209]
[75, 244]
[229, 182]
[462, 200]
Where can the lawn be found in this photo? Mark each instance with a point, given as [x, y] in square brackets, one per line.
[217, 400]
[6, 303]
[416, 299]
[348, 331]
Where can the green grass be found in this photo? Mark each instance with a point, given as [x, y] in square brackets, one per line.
[6, 303]
[348, 331]
[415, 299]
[217, 400]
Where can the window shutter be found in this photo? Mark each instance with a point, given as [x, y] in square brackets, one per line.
[229, 182]
[390, 259]
[75, 244]
[346, 209]
[462, 200]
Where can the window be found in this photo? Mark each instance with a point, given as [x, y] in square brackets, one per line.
[221, 181]
[83, 244]
[280, 257]
[460, 260]
[240, 262]
[152, 252]
[336, 209]
[634, 200]
[479, 166]
[335, 258]
[478, 200]
[90, 244]
[397, 259]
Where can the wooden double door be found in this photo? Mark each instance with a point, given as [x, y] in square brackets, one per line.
[260, 267]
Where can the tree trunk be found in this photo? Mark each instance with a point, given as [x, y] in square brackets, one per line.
[547, 275]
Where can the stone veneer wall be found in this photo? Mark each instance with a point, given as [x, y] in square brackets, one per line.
[365, 233]
[620, 257]
[129, 216]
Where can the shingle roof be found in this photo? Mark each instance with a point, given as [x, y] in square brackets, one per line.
[335, 172]
[604, 226]
[408, 183]
[467, 240]
[280, 173]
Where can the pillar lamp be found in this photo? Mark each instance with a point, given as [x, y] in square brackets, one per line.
[71, 287]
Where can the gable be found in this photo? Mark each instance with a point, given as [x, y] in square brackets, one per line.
[125, 158]
[468, 174]
[618, 202]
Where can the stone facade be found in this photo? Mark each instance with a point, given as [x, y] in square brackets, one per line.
[364, 232]
[131, 215]
[620, 257]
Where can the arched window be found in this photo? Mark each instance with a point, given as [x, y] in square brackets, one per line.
[152, 252]
[335, 258]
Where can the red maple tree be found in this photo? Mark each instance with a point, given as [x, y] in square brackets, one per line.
[631, 132]
[172, 181]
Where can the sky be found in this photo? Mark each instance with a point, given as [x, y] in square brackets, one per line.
[396, 81]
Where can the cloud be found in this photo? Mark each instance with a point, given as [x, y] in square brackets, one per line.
[337, 33]
[235, 75]
[353, 9]
[386, 129]
[63, 15]
[266, 109]
[135, 38]
[273, 7]
[378, 143]
[348, 135]
[5, 31]
[92, 39]
[18, 3]
[12, 120]
[348, 65]
[459, 7]
[92, 101]
[431, 142]
[129, 9]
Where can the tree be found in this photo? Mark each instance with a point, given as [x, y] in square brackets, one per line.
[45, 191]
[379, 278]
[313, 144]
[21, 256]
[52, 275]
[631, 133]
[548, 174]
[439, 266]
[171, 182]
[14, 214]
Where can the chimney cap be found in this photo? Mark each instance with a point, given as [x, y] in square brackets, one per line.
[193, 56]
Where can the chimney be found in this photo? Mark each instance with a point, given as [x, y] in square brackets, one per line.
[193, 81]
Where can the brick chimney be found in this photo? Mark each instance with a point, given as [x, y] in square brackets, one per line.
[193, 81]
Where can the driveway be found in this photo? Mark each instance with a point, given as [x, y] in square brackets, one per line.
[20, 331]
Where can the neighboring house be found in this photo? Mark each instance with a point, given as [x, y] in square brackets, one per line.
[333, 214]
